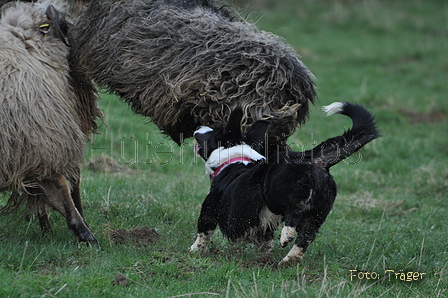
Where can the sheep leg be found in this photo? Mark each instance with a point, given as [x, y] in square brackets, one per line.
[44, 222]
[76, 194]
[35, 195]
[57, 193]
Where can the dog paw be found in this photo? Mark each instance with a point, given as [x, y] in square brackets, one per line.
[286, 243]
[198, 248]
[294, 256]
[288, 235]
[200, 245]
[288, 260]
[283, 262]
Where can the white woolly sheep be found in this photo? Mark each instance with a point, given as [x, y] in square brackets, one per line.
[46, 114]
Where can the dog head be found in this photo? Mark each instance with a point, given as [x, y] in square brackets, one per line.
[251, 142]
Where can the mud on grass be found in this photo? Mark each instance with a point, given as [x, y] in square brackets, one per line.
[139, 236]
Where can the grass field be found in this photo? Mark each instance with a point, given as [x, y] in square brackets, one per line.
[390, 216]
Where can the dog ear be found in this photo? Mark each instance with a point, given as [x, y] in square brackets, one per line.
[202, 136]
[202, 139]
[233, 127]
[257, 131]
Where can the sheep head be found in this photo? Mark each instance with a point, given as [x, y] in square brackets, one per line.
[36, 21]
[56, 26]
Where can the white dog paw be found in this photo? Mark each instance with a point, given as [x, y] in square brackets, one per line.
[294, 256]
[197, 248]
[201, 242]
[288, 235]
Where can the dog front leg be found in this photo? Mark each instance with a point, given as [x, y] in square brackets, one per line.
[207, 222]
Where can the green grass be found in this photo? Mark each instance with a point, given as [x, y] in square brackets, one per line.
[391, 209]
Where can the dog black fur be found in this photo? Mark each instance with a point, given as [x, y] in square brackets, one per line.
[250, 197]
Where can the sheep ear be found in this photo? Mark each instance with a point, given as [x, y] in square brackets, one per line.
[233, 127]
[257, 131]
[53, 14]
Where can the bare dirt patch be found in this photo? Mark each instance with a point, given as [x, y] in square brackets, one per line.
[140, 236]
[261, 261]
[121, 280]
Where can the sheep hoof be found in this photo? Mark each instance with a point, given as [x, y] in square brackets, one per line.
[89, 240]
[93, 243]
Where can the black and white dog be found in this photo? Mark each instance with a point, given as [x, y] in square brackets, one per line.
[251, 196]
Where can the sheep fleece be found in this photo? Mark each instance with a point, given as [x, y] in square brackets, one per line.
[189, 63]
[39, 126]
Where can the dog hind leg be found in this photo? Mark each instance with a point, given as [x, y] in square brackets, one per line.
[287, 236]
[289, 230]
[307, 229]
[295, 255]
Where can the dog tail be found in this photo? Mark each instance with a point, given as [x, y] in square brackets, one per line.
[336, 149]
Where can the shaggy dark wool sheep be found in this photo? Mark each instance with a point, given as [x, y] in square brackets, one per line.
[189, 63]
[46, 114]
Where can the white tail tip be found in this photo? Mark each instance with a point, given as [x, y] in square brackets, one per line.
[334, 108]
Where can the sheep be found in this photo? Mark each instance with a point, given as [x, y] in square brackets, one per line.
[46, 114]
[189, 63]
